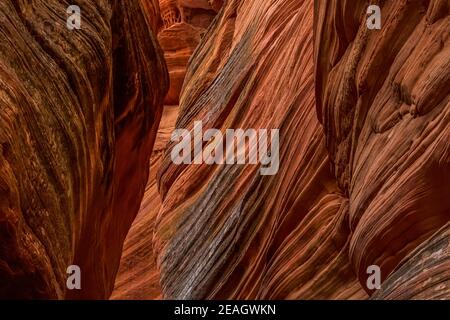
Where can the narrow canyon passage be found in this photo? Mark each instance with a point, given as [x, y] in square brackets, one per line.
[179, 34]
[361, 154]
[295, 235]
[138, 277]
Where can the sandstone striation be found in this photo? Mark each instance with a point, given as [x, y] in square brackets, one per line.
[79, 110]
[423, 274]
[383, 98]
[226, 231]
[138, 277]
[87, 175]
[371, 105]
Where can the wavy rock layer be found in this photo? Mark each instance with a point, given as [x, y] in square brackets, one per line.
[138, 277]
[226, 231]
[384, 100]
[364, 149]
[423, 274]
[311, 232]
[79, 112]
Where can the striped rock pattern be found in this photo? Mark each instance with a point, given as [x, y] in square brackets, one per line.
[363, 180]
[424, 273]
[79, 111]
[383, 97]
[364, 149]
[226, 231]
[138, 277]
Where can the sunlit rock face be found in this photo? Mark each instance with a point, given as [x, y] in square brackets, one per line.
[383, 97]
[79, 110]
[184, 23]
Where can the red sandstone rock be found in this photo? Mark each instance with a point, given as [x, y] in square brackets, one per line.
[184, 23]
[384, 100]
[225, 231]
[216, 4]
[138, 277]
[364, 155]
[78, 120]
[424, 273]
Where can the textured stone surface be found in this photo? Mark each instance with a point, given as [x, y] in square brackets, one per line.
[184, 23]
[384, 100]
[79, 112]
[424, 273]
[138, 277]
[364, 154]
[238, 234]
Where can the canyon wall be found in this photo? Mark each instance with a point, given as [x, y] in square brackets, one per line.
[138, 276]
[423, 274]
[225, 231]
[86, 170]
[383, 97]
[79, 110]
[364, 155]
[183, 25]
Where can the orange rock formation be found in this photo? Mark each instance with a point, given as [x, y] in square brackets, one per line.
[364, 161]
[138, 276]
[383, 98]
[184, 23]
[79, 111]
[364, 120]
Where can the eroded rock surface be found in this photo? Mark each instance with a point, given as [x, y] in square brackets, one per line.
[424, 274]
[364, 149]
[138, 276]
[238, 234]
[383, 97]
[184, 23]
[79, 112]
[363, 167]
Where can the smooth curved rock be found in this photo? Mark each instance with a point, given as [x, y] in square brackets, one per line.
[138, 276]
[364, 149]
[184, 23]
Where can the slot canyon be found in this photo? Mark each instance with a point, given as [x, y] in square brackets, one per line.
[87, 177]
